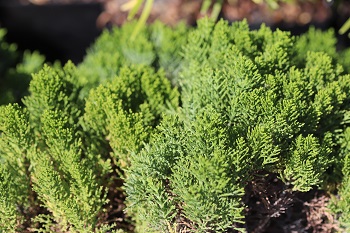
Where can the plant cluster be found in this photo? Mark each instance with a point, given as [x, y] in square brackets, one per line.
[186, 119]
[252, 101]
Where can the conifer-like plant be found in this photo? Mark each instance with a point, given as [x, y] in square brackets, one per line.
[63, 150]
[253, 102]
[186, 125]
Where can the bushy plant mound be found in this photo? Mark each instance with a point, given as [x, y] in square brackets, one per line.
[157, 46]
[251, 104]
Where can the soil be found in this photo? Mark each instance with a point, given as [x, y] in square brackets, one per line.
[272, 207]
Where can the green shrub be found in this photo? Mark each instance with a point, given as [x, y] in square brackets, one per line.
[126, 109]
[251, 103]
[41, 147]
[248, 105]
[156, 45]
[59, 152]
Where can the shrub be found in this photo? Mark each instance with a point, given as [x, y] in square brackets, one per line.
[60, 152]
[248, 105]
[156, 45]
[251, 104]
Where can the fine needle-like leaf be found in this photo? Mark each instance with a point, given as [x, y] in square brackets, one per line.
[345, 27]
[142, 21]
[205, 6]
[216, 9]
[135, 8]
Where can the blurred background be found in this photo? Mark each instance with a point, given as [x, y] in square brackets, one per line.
[64, 29]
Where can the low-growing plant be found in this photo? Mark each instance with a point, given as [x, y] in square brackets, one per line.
[185, 123]
[157, 46]
[252, 102]
[61, 152]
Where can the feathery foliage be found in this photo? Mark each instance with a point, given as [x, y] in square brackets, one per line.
[250, 102]
[156, 45]
[248, 105]
[126, 109]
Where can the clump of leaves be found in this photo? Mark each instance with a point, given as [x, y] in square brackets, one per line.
[248, 106]
[253, 106]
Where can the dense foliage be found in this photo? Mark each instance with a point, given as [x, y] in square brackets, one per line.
[186, 118]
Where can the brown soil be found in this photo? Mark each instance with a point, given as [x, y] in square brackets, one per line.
[272, 207]
[172, 11]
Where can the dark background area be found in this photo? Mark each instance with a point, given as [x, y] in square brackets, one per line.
[60, 31]
[64, 29]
